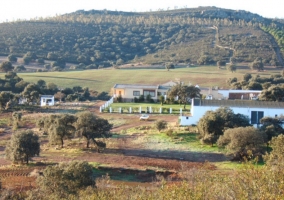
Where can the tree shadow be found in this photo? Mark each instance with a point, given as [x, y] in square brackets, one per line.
[191, 156]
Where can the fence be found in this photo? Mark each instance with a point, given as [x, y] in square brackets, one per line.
[107, 104]
[150, 110]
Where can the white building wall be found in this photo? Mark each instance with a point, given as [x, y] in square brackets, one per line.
[43, 101]
[129, 93]
[199, 111]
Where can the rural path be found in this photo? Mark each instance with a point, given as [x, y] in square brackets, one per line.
[277, 51]
[217, 44]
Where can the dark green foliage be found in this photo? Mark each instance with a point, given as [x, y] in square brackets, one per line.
[162, 99]
[257, 64]
[160, 125]
[40, 61]
[58, 127]
[169, 66]
[105, 38]
[141, 98]
[6, 99]
[184, 93]
[22, 146]
[91, 127]
[12, 58]
[149, 98]
[214, 123]
[273, 93]
[31, 92]
[59, 181]
[247, 77]
[221, 63]
[119, 99]
[204, 60]
[242, 140]
[271, 127]
[232, 67]
[276, 157]
[6, 66]
[19, 68]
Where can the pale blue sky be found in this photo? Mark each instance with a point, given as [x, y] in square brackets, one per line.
[26, 9]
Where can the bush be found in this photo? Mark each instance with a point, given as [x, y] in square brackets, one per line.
[242, 140]
[141, 98]
[64, 179]
[119, 99]
[160, 125]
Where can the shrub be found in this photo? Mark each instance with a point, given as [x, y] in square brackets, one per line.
[242, 140]
[119, 99]
[141, 98]
[160, 125]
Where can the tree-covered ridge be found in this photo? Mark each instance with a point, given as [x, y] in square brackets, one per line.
[109, 38]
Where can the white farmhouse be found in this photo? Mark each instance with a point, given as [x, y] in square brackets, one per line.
[255, 110]
[47, 100]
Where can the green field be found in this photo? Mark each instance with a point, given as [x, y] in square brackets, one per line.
[104, 79]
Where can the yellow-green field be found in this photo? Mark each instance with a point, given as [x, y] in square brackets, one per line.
[104, 79]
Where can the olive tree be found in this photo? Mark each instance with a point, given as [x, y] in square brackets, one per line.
[22, 146]
[91, 127]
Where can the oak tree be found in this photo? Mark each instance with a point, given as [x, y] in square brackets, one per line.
[22, 146]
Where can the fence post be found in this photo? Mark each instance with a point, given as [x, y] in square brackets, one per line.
[100, 109]
[160, 110]
[171, 110]
[130, 110]
[140, 110]
[180, 112]
[120, 110]
[110, 109]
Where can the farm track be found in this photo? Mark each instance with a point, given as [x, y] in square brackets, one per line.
[4, 173]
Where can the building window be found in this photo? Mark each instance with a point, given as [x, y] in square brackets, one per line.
[136, 93]
[147, 92]
[256, 116]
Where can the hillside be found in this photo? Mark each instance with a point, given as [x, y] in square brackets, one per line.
[104, 38]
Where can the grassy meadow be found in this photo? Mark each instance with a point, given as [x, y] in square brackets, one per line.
[104, 79]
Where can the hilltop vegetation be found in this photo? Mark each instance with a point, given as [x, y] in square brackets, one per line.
[109, 38]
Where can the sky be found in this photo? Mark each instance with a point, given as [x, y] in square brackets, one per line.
[11, 10]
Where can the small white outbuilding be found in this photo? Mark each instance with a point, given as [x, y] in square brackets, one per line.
[47, 100]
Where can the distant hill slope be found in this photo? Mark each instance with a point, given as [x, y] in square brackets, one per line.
[105, 38]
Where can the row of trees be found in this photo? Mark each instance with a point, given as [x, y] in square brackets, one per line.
[272, 87]
[24, 145]
[14, 88]
[84, 124]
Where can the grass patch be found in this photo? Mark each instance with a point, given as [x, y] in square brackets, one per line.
[236, 165]
[4, 121]
[184, 141]
[103, 80]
